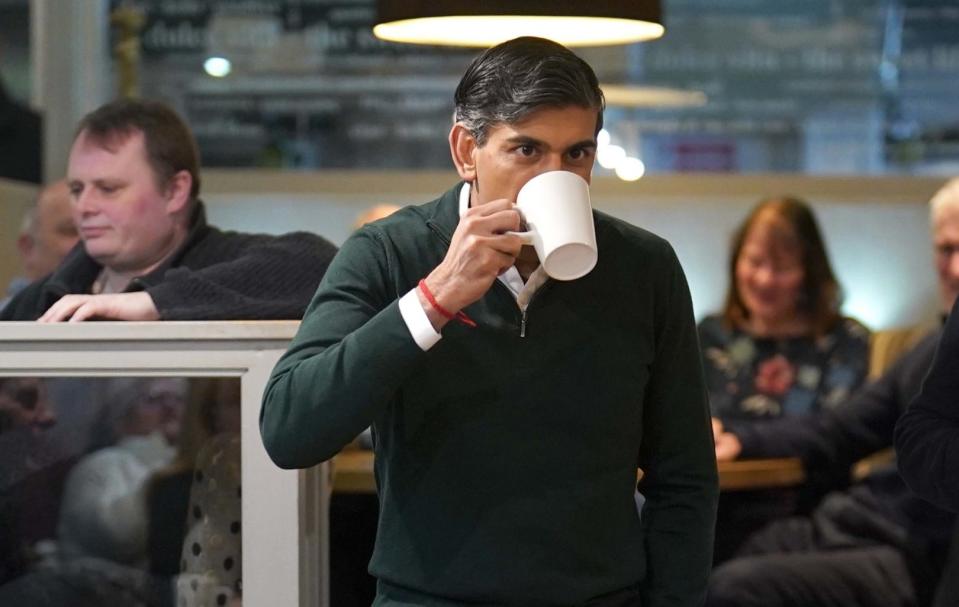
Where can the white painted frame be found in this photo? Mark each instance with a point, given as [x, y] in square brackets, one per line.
[285, 512]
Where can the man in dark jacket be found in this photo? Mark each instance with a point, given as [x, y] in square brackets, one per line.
[875, 543]
[146, 251]
[927, 436]
[507, 441]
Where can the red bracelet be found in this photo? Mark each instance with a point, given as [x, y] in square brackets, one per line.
[460, 316]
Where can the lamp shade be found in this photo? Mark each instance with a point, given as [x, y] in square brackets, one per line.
[489, 22]
[631, 95]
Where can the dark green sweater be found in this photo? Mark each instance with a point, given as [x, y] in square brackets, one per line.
[506, 465]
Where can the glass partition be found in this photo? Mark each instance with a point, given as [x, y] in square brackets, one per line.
[133, 473]
[121, 487]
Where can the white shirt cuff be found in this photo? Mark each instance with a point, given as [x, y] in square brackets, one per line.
[417, 322]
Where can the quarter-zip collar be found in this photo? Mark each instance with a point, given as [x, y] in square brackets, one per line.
[511, 279]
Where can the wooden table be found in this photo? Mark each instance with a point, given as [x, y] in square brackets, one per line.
[353, 473]
[770, 473]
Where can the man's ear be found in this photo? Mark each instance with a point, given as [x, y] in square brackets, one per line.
[178, 191]
[463, 148]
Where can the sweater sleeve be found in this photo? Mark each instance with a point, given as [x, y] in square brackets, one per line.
[244, 276]
[927, 436]
[348, 359]
[834, 439]
[680, 481]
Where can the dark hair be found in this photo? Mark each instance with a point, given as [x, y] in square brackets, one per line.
[819, 297]
[170, 146]
[510, 80]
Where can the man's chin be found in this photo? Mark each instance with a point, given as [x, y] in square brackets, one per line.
[102, 255]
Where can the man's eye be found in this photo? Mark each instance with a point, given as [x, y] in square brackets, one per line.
[527, 150]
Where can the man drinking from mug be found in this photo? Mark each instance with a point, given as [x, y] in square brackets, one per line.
[510, 410]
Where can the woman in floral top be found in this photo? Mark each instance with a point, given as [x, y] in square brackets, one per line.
[780, 347]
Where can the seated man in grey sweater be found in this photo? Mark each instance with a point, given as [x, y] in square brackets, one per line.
[146, 251]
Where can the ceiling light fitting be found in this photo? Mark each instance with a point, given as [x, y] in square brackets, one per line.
[486, 23]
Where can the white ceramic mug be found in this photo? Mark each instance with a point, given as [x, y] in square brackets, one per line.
[559, 220]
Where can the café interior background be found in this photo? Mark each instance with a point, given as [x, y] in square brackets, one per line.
[738, 100]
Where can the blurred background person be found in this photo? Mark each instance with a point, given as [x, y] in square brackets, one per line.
[52, 232]
[46, 236]
[24, 414]
[104, 505]
[927, 436]
[213, 409]
[373, 213]
[212, 556]
[23, 405]
[875, 543]
[780, 347]
[36, 454]
[100, 556]
[194, 503]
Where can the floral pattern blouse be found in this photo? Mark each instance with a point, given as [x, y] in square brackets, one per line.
[751, 378]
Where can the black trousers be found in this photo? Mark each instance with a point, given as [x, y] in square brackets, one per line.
[840, 556]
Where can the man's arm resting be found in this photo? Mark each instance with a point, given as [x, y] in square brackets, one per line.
[261, 278]
[113, 306]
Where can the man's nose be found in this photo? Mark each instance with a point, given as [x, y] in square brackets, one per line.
[763, 275]
[554, 162]
[85, 202]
